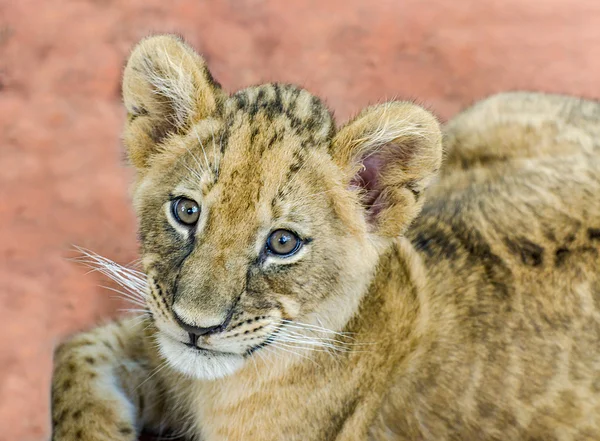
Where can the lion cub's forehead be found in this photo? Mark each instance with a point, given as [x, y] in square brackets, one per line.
[264, 140]
[268, 132]
[283, 110]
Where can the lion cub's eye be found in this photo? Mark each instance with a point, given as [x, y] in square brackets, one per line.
[283, 243]
[186, 211]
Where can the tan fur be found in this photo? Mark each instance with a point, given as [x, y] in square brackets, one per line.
[477, 319]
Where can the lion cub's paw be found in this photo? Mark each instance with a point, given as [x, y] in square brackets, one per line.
[87, 402]
[92, 422]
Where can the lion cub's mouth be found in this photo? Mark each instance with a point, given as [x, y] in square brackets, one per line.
[201, 349]
[242, 339]
[270, 339]
[198, 348]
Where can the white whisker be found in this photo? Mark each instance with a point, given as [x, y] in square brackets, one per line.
[255, 367]
[333, 341]
[216, 157]
[159, 368]
[136, 321]
[196, 160]
[197, 175]
[311, 345]
[101, 262]
[132, 281]
[203, 150]
[315, 327]
[136, 310]
[115, 271]
[280, 346]
[127, 296]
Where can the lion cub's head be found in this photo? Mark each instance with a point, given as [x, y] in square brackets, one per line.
[261, 223]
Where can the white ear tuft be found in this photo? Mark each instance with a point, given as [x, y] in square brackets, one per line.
[390, 153]
[172, 83]
[166, 88]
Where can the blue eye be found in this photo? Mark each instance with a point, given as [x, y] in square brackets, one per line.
[186, 211]
[283, 243]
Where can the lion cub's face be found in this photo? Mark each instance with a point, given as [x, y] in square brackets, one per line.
[260, 223]
[244, 229]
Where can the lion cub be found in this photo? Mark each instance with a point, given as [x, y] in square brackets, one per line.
[294, 292]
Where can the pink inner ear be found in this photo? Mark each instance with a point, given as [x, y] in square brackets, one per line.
[368, 179]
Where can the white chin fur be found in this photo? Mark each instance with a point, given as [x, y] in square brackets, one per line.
[200, 365]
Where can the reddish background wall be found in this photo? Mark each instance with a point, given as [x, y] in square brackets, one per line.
[62, 180]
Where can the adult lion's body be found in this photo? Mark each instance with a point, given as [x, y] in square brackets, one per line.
[294, 291]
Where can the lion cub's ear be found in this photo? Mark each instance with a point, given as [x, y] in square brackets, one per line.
[390, 152]
[166, 87]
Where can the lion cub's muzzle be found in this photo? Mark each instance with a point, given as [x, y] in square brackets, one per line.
[194, 332]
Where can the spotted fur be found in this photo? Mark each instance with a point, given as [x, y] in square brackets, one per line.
[477, 319]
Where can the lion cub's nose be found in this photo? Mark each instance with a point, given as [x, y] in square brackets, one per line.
[195, 331]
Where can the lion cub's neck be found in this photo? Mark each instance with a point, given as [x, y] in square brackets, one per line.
[339, 392]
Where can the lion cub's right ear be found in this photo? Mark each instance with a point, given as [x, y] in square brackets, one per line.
[166, 88]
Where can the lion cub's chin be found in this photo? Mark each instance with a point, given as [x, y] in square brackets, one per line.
[198, 364]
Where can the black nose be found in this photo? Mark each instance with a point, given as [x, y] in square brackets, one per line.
[194, 331]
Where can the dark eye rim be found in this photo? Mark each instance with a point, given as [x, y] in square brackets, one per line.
[299, 243]
[174, 203]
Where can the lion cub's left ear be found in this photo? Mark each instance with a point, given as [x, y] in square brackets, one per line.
[390, 152]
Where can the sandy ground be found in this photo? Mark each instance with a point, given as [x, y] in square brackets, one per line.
[62, 177]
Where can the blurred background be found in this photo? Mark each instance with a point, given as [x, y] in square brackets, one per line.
[63, 180]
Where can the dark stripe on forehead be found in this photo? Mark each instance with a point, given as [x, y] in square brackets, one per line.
[256, 105]
[316, 104]
[275, 138]
[277, 103]
[321, 114]
[241, 100]
[294, 99]
[224, 139]
[232, 120]
[253, 135]
[296, 164]
[299, 158]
